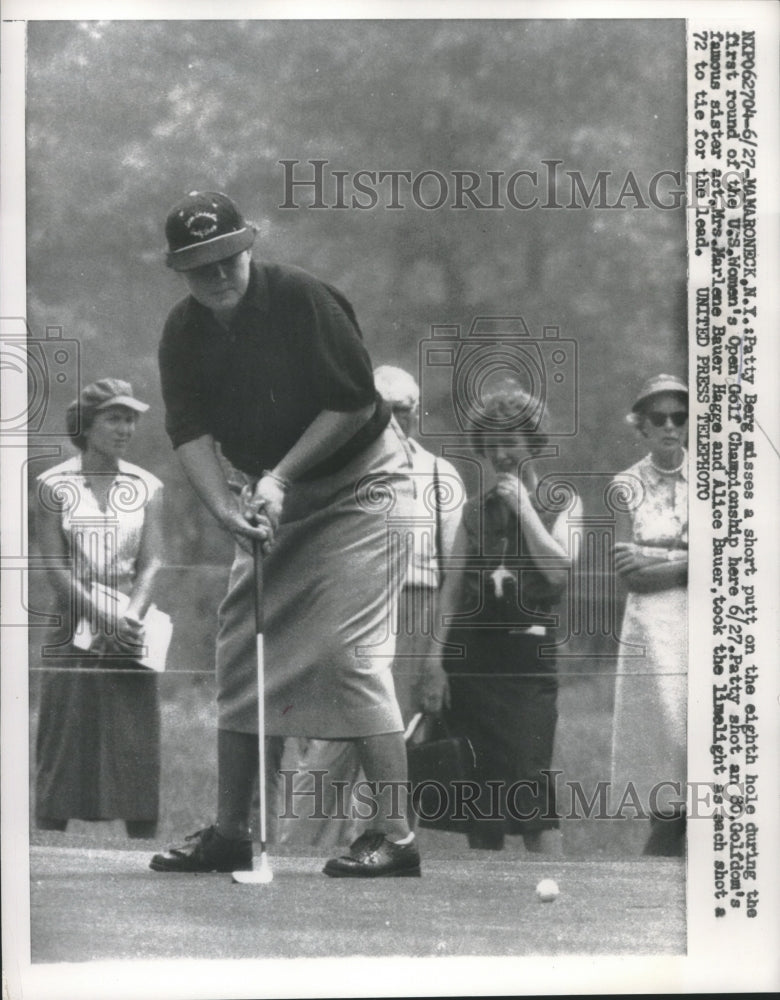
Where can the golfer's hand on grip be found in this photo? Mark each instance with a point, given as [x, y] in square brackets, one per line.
[262, 507]
[268, 499]
[247, 525]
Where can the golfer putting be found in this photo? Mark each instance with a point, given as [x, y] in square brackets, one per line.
[267, 364]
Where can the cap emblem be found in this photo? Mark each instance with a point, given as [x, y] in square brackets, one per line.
[202, 224]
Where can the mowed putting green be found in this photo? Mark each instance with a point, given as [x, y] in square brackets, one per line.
[90, 904]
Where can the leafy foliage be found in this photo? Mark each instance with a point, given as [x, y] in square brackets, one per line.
[124, 117]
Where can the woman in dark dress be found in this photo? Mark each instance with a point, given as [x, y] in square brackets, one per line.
[503, 693]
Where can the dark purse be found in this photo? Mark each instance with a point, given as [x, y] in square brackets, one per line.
[438, 763]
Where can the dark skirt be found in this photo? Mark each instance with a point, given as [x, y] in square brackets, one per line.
[503, 697]
[98, 742]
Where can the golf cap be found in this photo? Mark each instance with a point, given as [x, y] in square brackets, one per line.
[658, 384]
[109, 392]
[203, 228]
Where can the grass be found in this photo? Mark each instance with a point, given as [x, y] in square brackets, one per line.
[93, 897]
[188, 779]
[483, 906]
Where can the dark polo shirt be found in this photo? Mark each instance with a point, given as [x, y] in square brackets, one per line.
[294, 348]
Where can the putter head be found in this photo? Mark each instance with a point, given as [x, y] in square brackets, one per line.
[262, 875]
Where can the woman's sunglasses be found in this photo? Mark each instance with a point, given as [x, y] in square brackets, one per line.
[658, 419]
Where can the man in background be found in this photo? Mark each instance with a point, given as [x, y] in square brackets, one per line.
[419, 678]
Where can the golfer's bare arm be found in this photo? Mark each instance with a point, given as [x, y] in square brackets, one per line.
[327, 432]
[199, 461]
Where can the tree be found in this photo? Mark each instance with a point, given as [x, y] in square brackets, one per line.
[124, 117]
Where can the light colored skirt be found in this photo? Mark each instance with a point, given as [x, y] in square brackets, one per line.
[651, 698]
[312, 809]
[330, 600]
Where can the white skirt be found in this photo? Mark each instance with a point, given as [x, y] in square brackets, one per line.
[651, 699]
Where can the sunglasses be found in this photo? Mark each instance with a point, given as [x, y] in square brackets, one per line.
[658, 419]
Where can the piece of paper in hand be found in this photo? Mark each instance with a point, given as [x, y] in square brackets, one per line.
[499, 576]
[158, 627]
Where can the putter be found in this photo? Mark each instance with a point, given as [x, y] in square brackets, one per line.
[262, 874]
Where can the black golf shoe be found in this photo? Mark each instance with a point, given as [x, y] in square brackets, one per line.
[374, 856]
[205, 851]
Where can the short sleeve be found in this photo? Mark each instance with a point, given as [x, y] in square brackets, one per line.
[453, 507]
[627, 492]
[54, 494]
[58, 489]
[180, 383]
[336, 360]
[152, 484]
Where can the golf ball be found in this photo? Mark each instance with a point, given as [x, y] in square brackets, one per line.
[547, 890]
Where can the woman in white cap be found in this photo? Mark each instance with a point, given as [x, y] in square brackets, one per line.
[99, 526]
[651, 558]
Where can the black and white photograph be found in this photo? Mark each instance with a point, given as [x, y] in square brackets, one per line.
[390, 469]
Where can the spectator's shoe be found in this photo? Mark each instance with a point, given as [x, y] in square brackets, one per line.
[205, 851]
[374, 856]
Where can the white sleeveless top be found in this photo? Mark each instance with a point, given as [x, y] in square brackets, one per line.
[103, 542]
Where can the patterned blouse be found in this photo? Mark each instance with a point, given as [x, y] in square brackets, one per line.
[659, 504]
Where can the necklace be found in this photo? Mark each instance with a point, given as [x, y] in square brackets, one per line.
[668, 472]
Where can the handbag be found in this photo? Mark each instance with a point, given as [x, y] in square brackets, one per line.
[437, 763]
